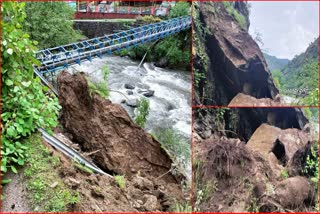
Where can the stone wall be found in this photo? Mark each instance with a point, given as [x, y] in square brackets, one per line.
[92, 29]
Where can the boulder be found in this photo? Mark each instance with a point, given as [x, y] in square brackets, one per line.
[129, 92]
[142, 183]
[283, 143]
[292, 140]
[246, 100]
[132, 103]
[151, 203]
[162, 63]
[294, 192]
[263, 139]
[129, 86]
[237, 64]
[148, 93]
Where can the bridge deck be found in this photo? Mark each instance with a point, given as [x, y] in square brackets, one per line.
[58, 58]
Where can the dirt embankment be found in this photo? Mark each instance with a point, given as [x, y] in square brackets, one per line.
[266, 172]
[119, 147]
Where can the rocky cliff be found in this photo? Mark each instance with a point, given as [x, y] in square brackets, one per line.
[227, 60]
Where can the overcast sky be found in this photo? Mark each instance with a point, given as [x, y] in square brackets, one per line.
[286, 28]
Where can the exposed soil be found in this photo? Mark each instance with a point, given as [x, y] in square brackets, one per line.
[239, 179]
[97, 124]
[102, 194]
[263, 171]
[119, 147]
[15, 194]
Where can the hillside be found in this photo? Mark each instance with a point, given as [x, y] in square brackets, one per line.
[275, 63]
[301, 75]
[296, 64]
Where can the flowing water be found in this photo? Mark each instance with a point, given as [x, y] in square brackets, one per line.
[170, 106]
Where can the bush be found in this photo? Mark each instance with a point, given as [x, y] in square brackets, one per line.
[312, 166]
[100, 87]
[234, 13]
[174, 144]
[50, 23]
[180, 9]
[150, 19]
[26, 106]
[175, 49]
[120, 181]
[143, 112]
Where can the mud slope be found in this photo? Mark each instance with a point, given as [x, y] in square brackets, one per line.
[230, 60]
[119, 147]
[97, 124]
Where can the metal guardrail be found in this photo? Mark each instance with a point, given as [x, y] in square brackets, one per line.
[70, 152]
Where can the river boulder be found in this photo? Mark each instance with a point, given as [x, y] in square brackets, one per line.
[129, 86]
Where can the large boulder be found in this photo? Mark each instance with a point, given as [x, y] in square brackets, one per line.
[96, 124]
[292, 140]
[283, 143]
[250, 101]
[294, 192]
[230, 58]
[263, 139]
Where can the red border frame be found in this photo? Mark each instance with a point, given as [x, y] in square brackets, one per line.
[192, 106]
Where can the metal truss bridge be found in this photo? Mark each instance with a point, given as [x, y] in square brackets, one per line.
[59, 58]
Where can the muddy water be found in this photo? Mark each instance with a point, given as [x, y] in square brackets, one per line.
[170, 106]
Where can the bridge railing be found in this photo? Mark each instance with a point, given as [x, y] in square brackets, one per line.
[150, 10]
[61, 57]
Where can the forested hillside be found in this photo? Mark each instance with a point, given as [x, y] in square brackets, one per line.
[275, 63]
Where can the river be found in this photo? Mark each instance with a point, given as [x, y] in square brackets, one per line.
[170, 106]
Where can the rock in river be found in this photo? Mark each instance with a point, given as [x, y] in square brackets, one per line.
[132, 103]
[129, 86]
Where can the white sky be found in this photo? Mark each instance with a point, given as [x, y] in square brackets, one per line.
[286, 28]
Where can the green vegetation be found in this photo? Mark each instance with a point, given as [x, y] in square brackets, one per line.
[253, 205]
[50, 23]
[47, 191]
[234, 13]
[273, 62]
[174, 50]
[301, 76]
[174, 144]
[201, 62]
[26, 104]
[278, 79]
[100, 87]
[180, 9]
[284, 173]
[179, 207]
[82, 167]
[120, 180]
[149, 19]
[303, 81]
[142, 112]
[312, 166]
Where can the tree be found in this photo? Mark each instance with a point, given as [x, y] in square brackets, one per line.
[50, 23]
[180, 9]
[278, 78]
[25, 104]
